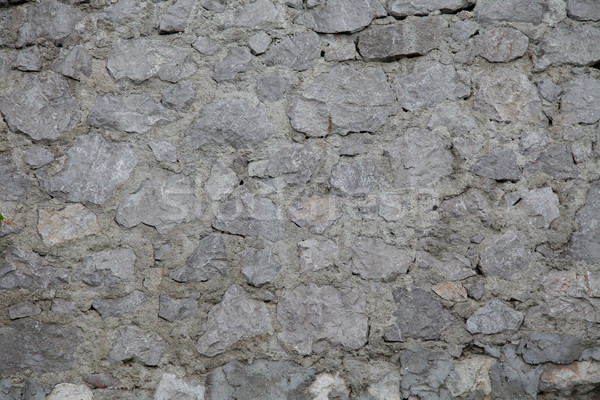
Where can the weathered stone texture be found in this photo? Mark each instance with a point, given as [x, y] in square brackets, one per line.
[173, 309]
[107, 268]
[132, 343]
[540, 348]
[260, 42]
[317, 212]
[505, 257]
[298, 52]
[28, 59]
[585, 242]
[403, 8]
[317, 254]
[374, 259]
[354, 179]
[49, 20]
[75, 63]
[424, 372]
[221, 182]
[452, 266]
[120, 306]
[541, 207]
[179, 96]
[500, 165]
[260, 267]
[335, 16]
[571, 295]
[164, 151]
[19, 269]
[583, 10]
[251, 15]
[171, 387]
[452, 118]
[23, 309]
[494, 317]
[577, 45]
[238, 60]
[72, 222]
[14, 184]
[209, 259]
[452, 291]
[271, 87]
[579, 104]
[176, 17]
[502, 44]
[556, 161]
[511, 10]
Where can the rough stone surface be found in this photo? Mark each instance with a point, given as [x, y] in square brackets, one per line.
[585, 242]
[541, 207]
[502, 44]
[297, 52]
[72, 222]
[342, 53]
[354, 179]
[176, 17]
[75, 63]
[20, 269]
[251, 15]
[69, 391]
[514, 378]
[122, 12]
[470, 377]
[571, 295]
[317, 212]
[494, 317]
[403, 8]
[540, 348]
[171, 387]
[23, 309]
[107, 268]
[164, 151]
[238, 60]
[500, 165]
[583, 10]
[452, 266]
[335, 16]
[531, 141]
[14, 183]
[374, 259]
[556, 161]
[548, 89]
[260, 42]
[505, 257]
[206, 45]
[221, 182]
[579, 45]
[132, 343]
[452, 291]
[317, 254]
[452, 118]
[179, 96]
[271, 87]
[209, 259]
[579, 104]
[120, 306]
[424, 372]
[511, 10]
[35, 157]
[29, 60]
[49, 20]
[173, 309]
[259, 266]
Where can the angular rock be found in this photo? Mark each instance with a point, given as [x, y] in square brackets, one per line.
[576, 380]
[502, 44]
[410, 37]
[540, 348]
[313, 318]
[298, 52]
[507, 96]
[465, 147]
[424, 372]
[452, 118]
[451, 291]
[317, 254]
[337, 16]
[132, 343]
[49, 20]
[235, 318]
[64, 307]
[142, 59]
[392, 207]
[403, 8]
[470, 378]
[250, 215]
[107, 268]
[19, 269]
[14, 184]
[372, 258]
[35, 391]
[120, 306]
[213, 5]
[259, 266]
[135, 113]
[173, 309]
[511, 10]
[72, 222]
[571, 295]
[259, 43]
[505, 257]
[387, 388]
[164, 151]
[418, 158]
[165, 200]
[358, 178]
[176, 17]
[75, 63]
[328, 385]
[341, 53]
[494, 317]
[583, 10]
[462, 31]
[41, 108]
[23, 309]
[230, 122]
[93, 170]
[43, 348]
[548, 90]
[579, 104]
[238, 60]
[123, 12]
[69, 391]
[556, 161]
[36, 157]
[317, 212]
[271, 87]
[355, 144]
[171, 387]
[585, 242]
[206, 45]
[500, 165]
[221, 182]
[344, 100]
[209, 259]
[541, 207]
[513, 378]
[573, 45]
[531, 141]
[419, 315]
[29, 59]
[452, 266]
[179, 96]
[251, 15]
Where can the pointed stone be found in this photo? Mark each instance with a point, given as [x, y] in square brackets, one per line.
[209, 259]
[298, 52]
[176, 17]
[505, 257]
[238, 60]
[74, 63]
[259, 266]
[221, 182]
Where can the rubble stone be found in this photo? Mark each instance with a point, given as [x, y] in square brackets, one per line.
[374, 259]
[403, 8]
[556, 161]
[132, 343]
[171, 387]
[336, 16]
[19, 269]
[259, 266]
[179, 96]
[452, 118]
[504, 257]
[583, 10]
[470, 377]
[29, 59]
[176, 17]
[317, 212]
[206, 45]
[578, 45]
[317, 254]
[354, 179]
[502, 44]
[585, 242]
[14, 184]
[500, 165]
[494, 317]
[69, 391]
[36, 157]
[107, 268]
[271, 87]
[579, 104]
[531, 141]
[298, 52]
[72, 222]
[540, 348]
[23, 309]
[452, 291]
[49, 20]
[512, 10]
[571, 295]
[548, 90]
[541, 207]
[120, 306]
[164, 151]
[452, 266]
[221, 182]
[424, 372]
[173, 309]
[259, 43]
[251, 15]
[74, 63]
[209, 259]
[238, 60]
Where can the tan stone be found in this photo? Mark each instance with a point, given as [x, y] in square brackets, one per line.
[471, 376]
[59, 225]
[453, 291]
[577, 377]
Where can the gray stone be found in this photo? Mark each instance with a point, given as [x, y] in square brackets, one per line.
[313, 318]
[176, 17]
[64, 307]
[502, 44]
[236, 317]
[585, 242]
[427, 83]
[29, 59]
[74, 63]
[556, 161]
[344, 100]
[410, 37]
[548, 90]
[358, 178]
[571, 295]
[522, 105]
[120, 306]
[19, 269]
[452, 118]
[179, 96]
[271, 87]
[466, 148]
[355, 144]
[259, 266]
[337, 16]
[164, 151]
[372, 258]
[165, 200]
[123, 12]
[504, 257]
[170, 387]
[462, 31]
[316, 212]
[476, 290]
[132, 343]
[206, 45]
[453, 267]
[142, 59]
[135, 113]
[494, 317]
[23, 309]
[238, 60]
[259, 43]
[572, 45]
[511, 10]
[34, 390]
[250, 215]
[500, 165]
[69, 391]
[173, 309]
[424, 372]
[298, 52]
[41, 108]
[531, 141]
[60, 225]
[213, 5]
[251, 15]
[540, 207]
[161, 251]
[539, 348]
[230, 122]
[392, 206]
[221, 182]
[418, 158]
[93, 170]
[261, 379]
[107, 268]
[420, 315]
[341, 53]
[9, 392]
[49, 20]
[42, 348]
[317, 254]
[579, 104]
[209, 259]
[545, 250]
[403, 8]
[583, 10]
[513, 378]
[13, 182]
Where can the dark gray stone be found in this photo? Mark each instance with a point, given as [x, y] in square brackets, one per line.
[142, 59]
[164, 151]
[74, 63]
[585, 242]
[500, 165]
[580, 102]
[49, 20]
[34, 390]
[135, 113]
[107, 268]
[541, 207]
[511, 10]
[453, 267]
[424, 372]
[206, 45]
[358, 178]
[420, 315]
[8, 391]
[556, 161]
[494, 317]
[513, 378]
[548, 90]
[14, 183]
[583, 10]
[410, 37]
[251, 15]
[372, 258]
[572, 45]
[173, 309]
[165, 200]
[230, 122]
[42, 348]
[23, 309]
[132, 343]
[539, 348]
[176, 17]
[238, 60]
[19, 269]
[271, 87]
[120, 306]
[403, 8]
[337, 16]
[313, 318]
[236, 317]
[502, 44]
[531, 141]
[179, 96]
[344, 100]
[505, 257]
[93, 170]
[476, 290]
[250, 215]
[298, 52]
[29, 59]
[41, 108]
[221, 182]
[452, 118]
[316, 212]
[259, 266]
[317, 254]
[259, 43]
[209, 259]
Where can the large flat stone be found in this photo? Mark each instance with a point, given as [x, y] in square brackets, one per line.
[257, 13]
[505, 257]
[403, 8]
[19, 269]
[317, 212]
[500, 165]
[298, 52]
[72, 222]
[107, 268]
[358, 178]
[540, 348]
[372, 258]
[531, 11]
[572, 295]
[579, 104]
[502, 44]
[337, 16]
[49, 20]
[572, 45]
[585, 242]
[209, 259]
[132, 343]
[556, 161]
[583, 10]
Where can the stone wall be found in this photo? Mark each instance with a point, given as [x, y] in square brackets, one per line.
[278, 199]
